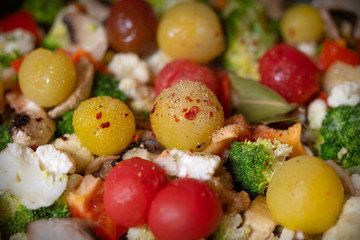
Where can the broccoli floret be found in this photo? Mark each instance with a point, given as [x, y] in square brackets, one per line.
[5, 137]
[230, 228]
[65, 125]
[340, 136]
[14, 216]
[247, 38]
[253, 164]
[106, 85]
[6, 58]
[44, 11]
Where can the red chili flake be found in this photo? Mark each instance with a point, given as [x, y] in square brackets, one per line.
[208, 102]
[197, 100]
[173, 95]
[34, 147]
[136, 138]
[153, 109]
[184, 110]
[99, 115]
[126, 114]
[211, 114]
[191, 114]
[39, 119]
[64, 138]
[266, 163]
[217, 109]
[191, 150]
[153, 134]
[176, 119]
[105, 125]
[189, 99]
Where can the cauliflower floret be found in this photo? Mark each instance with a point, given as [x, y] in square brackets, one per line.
[316, 113]
[230, 228]
[36, 178]
[157, 61]
[287, 234]
[140, 233]
[129, 65]
[72, 145]
[347, 227]
[135, 89]
[308, 48]
[181, 163]
[346, 93]
[18, 40]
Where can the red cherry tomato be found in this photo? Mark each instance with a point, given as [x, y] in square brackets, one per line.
[21, 19]
[184, 70]
[185, 209]
[129, 189]
[224, 95]
[332, 52]
[290, 73]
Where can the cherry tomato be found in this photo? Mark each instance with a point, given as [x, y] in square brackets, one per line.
[332, 52]
[185, 70]
[185, 209]
[131, 27]
[290, 73]
[224, 95]
[129, 189]
[21, 19]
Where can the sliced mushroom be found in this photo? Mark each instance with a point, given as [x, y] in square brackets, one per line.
[96, 9]
[101, 166]
[85, 75]
[61, 228]
[31, 124]
[87, 33]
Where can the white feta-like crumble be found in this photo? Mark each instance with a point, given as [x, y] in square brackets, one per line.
[345, 93]
[157, 61]
[18, 40]
[316, 113]
[36, 178]
[182, 163]
[308, 48]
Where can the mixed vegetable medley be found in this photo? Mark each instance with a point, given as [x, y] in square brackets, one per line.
[154, 119]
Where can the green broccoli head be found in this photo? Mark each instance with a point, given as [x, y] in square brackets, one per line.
[253, 164]
[44, 11]
[247, 38]
[340, 136]
[64, 125]
[5, 137]
[106, 85]
[14, 216]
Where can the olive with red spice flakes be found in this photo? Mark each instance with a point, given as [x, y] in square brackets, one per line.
[185, 115]
[104, 125]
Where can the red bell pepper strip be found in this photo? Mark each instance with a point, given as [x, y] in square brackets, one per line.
[333, 52]
[15, 64]
[224, 94]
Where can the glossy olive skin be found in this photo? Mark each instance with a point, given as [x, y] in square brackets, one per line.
[131, 27]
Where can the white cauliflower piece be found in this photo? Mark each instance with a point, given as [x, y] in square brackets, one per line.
[316, 113]
[287, 234]
[138, 152]
[347, 227]
[308, 48]
[182, 164]
[36, 178]
[345, 93]
[140, 233]
[71, 144]
[157, 61]
[230, 228]
[18, 40]
[135, 89]
[129, 65]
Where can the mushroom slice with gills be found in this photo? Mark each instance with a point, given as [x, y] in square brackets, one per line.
[85, 75]
[96, 9]
[61, 228]
[101, 166]
[87, 33]
[31, 124]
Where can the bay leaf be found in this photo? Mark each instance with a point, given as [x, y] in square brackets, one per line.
[256, 101]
